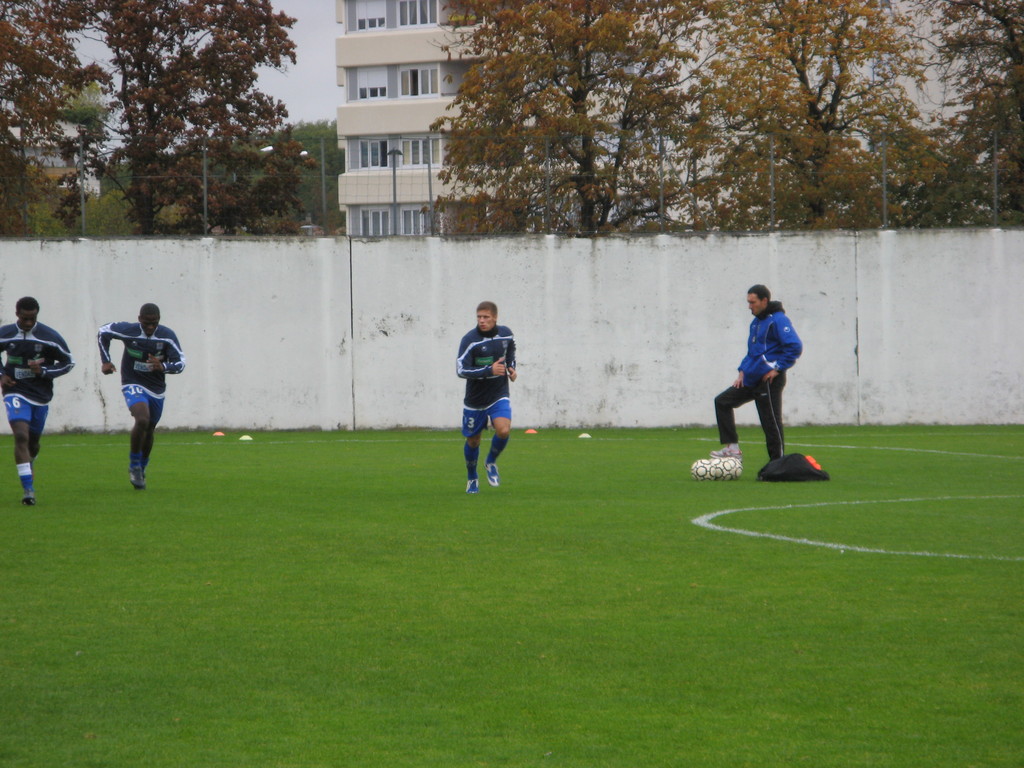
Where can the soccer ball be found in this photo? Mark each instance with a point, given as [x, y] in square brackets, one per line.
[716, 469]
[701, 469]
[732, 467]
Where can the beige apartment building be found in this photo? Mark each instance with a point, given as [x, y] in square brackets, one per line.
[396, 81]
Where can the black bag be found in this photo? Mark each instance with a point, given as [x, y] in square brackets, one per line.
[791, 467]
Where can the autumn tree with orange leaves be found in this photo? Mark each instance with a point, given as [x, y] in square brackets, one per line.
[807, 103]
[560, 123]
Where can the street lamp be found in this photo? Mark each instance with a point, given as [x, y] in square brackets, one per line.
[394, 154]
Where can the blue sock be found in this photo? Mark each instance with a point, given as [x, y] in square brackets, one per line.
[497, 446]
[144, 462]
[472, 456]
[134, 459]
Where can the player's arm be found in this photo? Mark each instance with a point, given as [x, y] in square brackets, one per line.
[62, 360]
[463, 364]
[510, 360]
[175, 362]
[103, 338]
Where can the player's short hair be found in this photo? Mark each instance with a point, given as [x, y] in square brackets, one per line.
[27, 303]
[149, 309]
[487, 306]
[760, 291]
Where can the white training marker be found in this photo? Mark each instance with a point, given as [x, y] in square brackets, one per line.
[245, 437]
[584, 435]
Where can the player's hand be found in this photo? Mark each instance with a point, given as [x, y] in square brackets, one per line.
[6, 381]
[770, 375]
[107, 368]
[498, 368]
[155, 363]
[37, 366]
[512, 374]
[739, 382]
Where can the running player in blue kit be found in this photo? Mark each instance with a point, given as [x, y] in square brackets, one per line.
[35, 355]
[487, 361]
[151, 351]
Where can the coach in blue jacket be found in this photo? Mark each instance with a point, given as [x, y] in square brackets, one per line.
[772, 349]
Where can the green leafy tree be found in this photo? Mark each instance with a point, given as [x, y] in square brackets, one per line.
[808, 98]
[38, 66]
[980, 55]
[560, 122]
[189, 119]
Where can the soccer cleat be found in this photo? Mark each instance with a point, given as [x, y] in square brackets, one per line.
[473, 486]
[727, 452]
[29, 499]
[492, 474]
[137, 478]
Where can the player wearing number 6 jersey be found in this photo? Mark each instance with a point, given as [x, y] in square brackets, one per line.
[151, 351]
[35, 355]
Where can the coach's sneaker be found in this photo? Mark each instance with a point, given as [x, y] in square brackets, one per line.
[726, 452]
[137, 478]
[492, 474]
[29, 499]
[473, 486]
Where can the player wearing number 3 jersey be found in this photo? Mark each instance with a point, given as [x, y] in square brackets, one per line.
[35, 355]
[151, 351]
[487, 361]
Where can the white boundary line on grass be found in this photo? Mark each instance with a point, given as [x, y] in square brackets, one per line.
[907, 450]
[704, 521]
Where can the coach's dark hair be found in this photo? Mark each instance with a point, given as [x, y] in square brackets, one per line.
[27, 303]
[149, 309]
[761, 291]
[488, 306]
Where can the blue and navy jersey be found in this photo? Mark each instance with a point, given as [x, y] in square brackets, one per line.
[772, 344]
[135, 365]
[41, 343]
[477, 353]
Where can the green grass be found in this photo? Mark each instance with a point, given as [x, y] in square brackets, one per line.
[335, 599]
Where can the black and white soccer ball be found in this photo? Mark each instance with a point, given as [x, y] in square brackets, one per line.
[732, 467]
[716, 469]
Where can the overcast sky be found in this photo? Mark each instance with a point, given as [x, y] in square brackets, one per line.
[308, 88]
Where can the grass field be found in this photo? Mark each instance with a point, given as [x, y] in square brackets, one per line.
[337, 600]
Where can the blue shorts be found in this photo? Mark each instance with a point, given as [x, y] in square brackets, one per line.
[133, 394]
[475, 419]
[20, 409]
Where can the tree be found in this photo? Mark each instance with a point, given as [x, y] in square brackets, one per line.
[321, 136]
[810, 94]
[558, 124]
[39, 67]
[981, 57]
[183, 77]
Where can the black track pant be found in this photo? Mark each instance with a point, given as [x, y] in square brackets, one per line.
[767, 396]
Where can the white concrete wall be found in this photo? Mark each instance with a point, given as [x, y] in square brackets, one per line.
[919, 327]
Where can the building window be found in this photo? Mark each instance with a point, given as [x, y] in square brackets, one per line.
[371, 14]
[421, 151]
[375, 222]
[418, 81]
[372, 83]
[415, 12]
[415, 221]
[373, 153]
